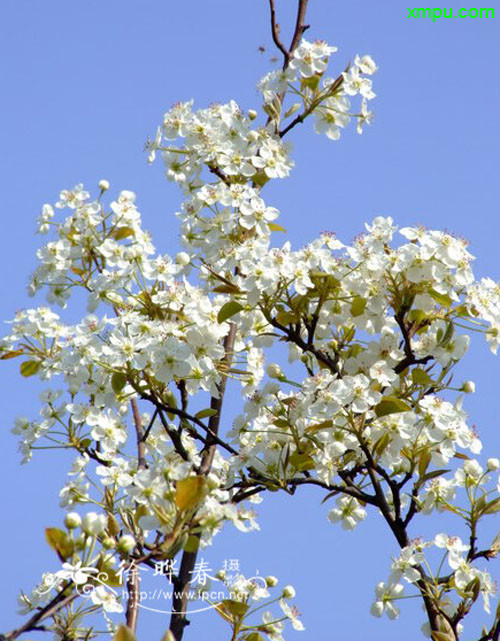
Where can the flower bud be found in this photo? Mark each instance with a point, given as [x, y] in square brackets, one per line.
[274, 371]
[213, 482]
[271, 581]
[126, 194]
[493, 464]
[288, 592]
[93, 523]
[468, 387]
[126, 544]
[72, 520]
[108, 542]
[473, 469]
[103, 185]
[221, 575]
[182, 258]
[81, 542]
[252, 114]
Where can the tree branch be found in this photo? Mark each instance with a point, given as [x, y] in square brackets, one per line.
[275, 33]
[134, 593]
[300, 26]
[178, 620]
[57, 603]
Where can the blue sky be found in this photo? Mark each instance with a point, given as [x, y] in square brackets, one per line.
[85, 82]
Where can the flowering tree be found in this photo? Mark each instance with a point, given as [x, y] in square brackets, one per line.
[365, 409]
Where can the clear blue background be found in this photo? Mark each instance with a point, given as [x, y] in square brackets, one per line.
[83, 85]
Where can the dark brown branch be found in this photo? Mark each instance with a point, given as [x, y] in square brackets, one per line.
[178, 620]
[133, 599]
[407, 333]
[494, 632]
[175, 437]
[355, 492]
[133, 590]
[57, 603]
[149, 427]
[275, 32]
[300, 26]
[192, 419]
[299, 119]
[141, 445]
[294, 336]
[219, 173]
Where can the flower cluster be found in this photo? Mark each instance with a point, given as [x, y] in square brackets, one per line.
[366, 408]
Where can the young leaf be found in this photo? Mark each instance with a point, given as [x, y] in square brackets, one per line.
[358, 306]
[29, 368]
[442, 299]
[232, 610]
[189, 492]
[123, 232]
[60, 542]
[420, 377]
[205, 413]
[12, 354]
[229, 309]
[118, 381]
[391, 405]
[124, 634]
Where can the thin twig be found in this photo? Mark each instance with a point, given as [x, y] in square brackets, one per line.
[57, 603]
[275, 33]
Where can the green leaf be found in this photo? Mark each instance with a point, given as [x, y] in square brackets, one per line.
[391, 405]
[227, 288]
[168, 636]
[423, 462]
[60, 542]
[232, 610]
[192, 544]
[318, 427]
[123, 232]
[124, 634]
[229, 309]
[382, 443]
[417, 316]
[205, 413]
[275, 227]
[432, 475]
[289, 112]
[260, 178]
[312, 82]
[472, 588]
[421, 377]
[254, 636]
[492, 507]
[302, 461]
[358, 306]
[442, 299]
[448, 334]
[30, 368]
[118, 381]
